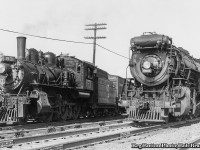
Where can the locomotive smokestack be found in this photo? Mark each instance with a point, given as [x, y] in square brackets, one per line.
[21, 45]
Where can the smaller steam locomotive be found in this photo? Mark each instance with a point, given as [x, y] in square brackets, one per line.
[166, 80]
[41, 86]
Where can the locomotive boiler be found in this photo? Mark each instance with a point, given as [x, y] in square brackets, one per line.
[166, 80]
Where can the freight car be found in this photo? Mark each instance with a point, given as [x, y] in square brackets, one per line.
[118, 83]
[41, 86]
[121, 86]
[166, 80]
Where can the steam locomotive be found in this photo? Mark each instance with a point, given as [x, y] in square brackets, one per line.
[41, 86]
[166, 80]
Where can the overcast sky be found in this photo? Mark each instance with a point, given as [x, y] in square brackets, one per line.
[66, 19]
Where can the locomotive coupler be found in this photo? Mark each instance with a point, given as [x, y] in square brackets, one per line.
[144, 106]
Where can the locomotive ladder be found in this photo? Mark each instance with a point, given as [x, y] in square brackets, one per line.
[172, 55]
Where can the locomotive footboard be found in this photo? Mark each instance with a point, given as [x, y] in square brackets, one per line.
[152, 115]
[12, 108]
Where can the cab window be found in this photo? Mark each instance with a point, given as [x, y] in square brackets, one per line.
[90, 73]
[78, 69]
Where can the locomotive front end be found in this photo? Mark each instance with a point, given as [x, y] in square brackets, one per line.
[33, 84]
[150, 59]
[13, 72]
[16, 78]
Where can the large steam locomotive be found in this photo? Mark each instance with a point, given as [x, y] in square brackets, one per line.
[39, 86]
[166, 80]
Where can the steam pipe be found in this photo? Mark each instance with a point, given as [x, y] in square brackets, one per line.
[21, 46]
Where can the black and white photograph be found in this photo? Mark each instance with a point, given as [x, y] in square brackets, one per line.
[99, 74]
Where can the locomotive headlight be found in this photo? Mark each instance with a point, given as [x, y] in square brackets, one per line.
[151, 65]
[2, 68]
[146, 65]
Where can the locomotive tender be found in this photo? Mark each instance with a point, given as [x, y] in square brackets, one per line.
[166, 80]
[41, 86]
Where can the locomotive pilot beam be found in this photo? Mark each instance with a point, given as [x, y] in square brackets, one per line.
[166, 80]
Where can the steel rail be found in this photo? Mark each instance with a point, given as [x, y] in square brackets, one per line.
[84, 128]
[104, 130]
[107, 137]
[68, 122]
[48, 129]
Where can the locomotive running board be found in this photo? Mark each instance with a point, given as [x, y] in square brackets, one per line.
[153, 115]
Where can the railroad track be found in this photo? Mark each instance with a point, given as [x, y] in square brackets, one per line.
[11, 138]
[88, 134]
[45, 128]
[34, 125]
[16, 133]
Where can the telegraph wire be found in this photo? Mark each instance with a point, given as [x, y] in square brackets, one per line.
[43, 37]
[61, 40]
[112, 51]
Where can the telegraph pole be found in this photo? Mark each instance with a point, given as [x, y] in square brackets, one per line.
[95, 27]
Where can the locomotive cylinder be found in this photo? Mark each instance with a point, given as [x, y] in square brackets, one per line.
[21, 45]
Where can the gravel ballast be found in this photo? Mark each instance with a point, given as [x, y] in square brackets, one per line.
[170, 137]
